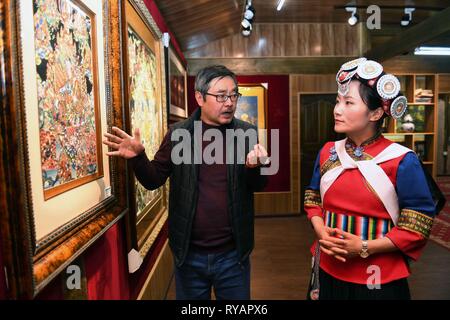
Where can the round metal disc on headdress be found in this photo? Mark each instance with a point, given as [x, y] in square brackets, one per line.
[369, 69]
[398, 107]
[353, 64]
[343, 88]
[388, 86]
[342, 76]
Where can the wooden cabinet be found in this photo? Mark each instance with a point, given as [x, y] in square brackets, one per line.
[417, 128]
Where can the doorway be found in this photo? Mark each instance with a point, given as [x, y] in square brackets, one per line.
[316, 128]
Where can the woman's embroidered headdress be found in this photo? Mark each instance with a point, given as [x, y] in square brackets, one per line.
[371, 73]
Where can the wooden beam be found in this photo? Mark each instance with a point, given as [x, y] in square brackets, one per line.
[319, 65]
[417, 64]
[411, 38]
[300, 65]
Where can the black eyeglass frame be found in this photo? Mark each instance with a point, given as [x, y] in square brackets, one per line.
[225, 96]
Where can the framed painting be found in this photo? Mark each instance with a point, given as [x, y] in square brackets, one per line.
[252, 106]
[145, 109]
[62, 191]
[178, 86]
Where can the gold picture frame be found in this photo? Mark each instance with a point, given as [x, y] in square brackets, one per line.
[43, 234]
[252, 106]
[178, 86]
[145, 109]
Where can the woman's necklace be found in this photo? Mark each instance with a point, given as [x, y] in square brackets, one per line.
[358, 151]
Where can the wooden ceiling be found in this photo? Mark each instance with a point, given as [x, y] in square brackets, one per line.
[198, 22]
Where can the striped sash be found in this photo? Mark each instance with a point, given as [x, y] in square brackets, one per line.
[367, 228]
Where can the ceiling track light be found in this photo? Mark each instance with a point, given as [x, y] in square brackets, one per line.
[354, 17]
[407, 17]
[280, 5]
[249, 15]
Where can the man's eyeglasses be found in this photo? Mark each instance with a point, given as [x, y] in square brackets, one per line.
[224, 97]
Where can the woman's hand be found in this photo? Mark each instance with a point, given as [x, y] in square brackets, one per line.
[345, 244]
[326, 237]
[123, 144]
[331, 245]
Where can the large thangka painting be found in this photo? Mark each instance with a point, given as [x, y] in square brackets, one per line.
[67, 95]
[144, 110]
[59, 62]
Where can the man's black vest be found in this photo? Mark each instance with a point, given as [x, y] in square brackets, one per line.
[183, 197]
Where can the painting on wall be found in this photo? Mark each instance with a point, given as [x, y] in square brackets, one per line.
[62, 191]
[144, 101]
[145, 108]
[67, 94]
[178, 86]
[252, 106]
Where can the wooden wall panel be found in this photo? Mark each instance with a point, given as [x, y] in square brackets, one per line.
[318, 65]
[444, 83]
[285, 40]
[303, 83]
[417, 64]
[281, 65]
[273, 203]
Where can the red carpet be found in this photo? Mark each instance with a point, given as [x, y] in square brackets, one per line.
[441, 226]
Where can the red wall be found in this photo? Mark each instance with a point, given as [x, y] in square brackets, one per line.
[106, 266]
[278, 118]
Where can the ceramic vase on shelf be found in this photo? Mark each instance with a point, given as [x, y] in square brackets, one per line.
[408, 124]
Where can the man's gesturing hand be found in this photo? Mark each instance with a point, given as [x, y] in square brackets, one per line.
[122, 144]
[256, 157]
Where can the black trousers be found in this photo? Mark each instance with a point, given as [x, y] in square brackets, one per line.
[335, 289]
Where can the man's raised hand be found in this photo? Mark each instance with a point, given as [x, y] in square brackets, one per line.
[122, 144]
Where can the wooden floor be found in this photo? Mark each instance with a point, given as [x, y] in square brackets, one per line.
[281, 263]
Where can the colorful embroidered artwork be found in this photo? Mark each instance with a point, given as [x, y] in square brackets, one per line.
[145, 111]
[66, 89]
[247, 109]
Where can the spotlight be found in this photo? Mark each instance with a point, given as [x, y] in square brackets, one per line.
[280, 5]
[249, 12]
[249, 15]
[246, 24]
[247, 29]
[246, 32]
[407, 17]
[354, 18]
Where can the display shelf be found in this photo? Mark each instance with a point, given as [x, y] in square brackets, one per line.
[416, 130]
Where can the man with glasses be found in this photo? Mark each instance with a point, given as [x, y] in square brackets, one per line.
[211, 214]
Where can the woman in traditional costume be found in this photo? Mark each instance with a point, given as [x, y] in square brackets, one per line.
[368, 201]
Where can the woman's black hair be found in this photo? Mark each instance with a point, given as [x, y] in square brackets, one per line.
[372, 100]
